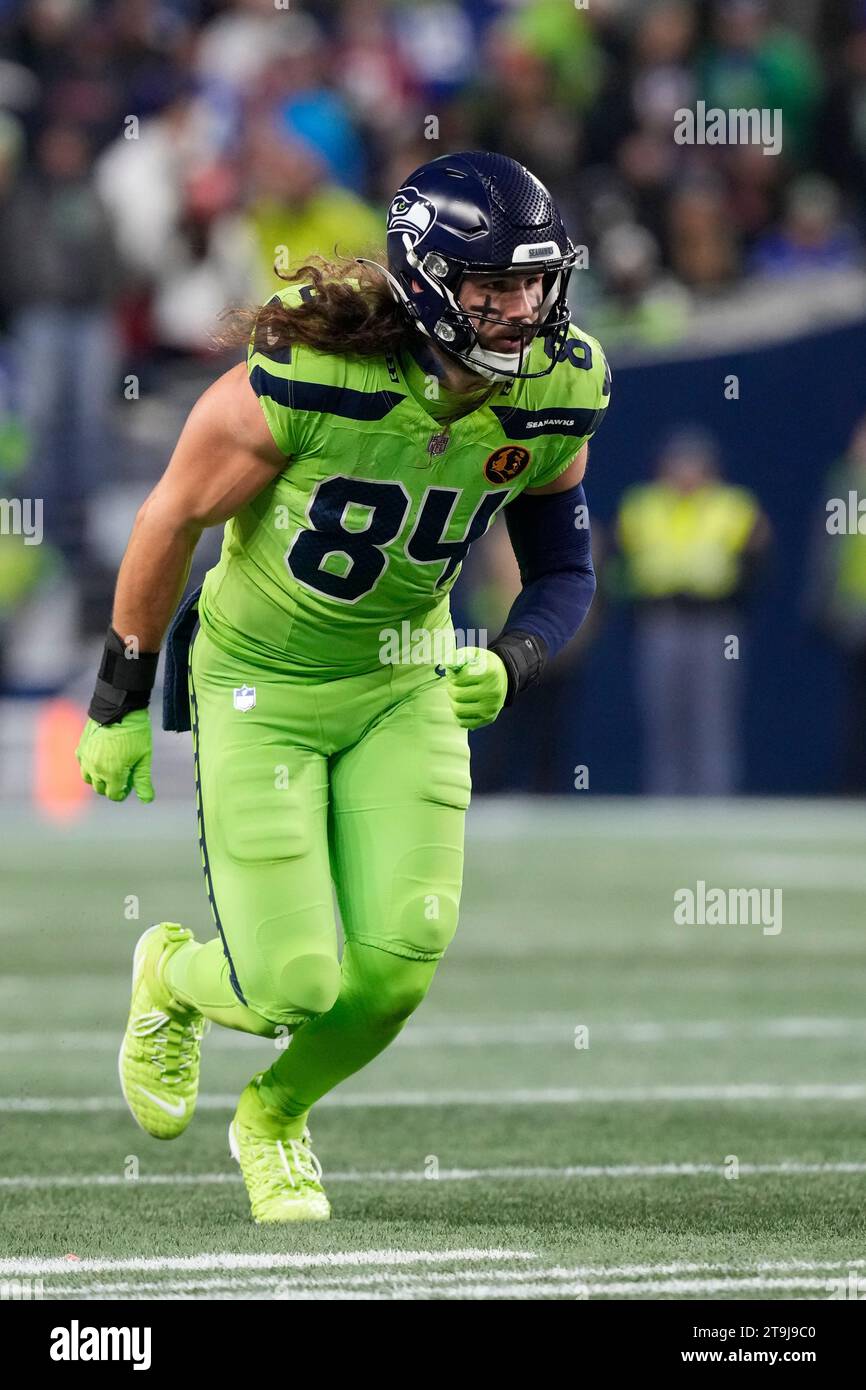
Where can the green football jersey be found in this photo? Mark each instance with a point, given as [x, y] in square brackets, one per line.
[382, 494]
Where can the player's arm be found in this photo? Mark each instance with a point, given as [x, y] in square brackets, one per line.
[549, 531]
[224, 457]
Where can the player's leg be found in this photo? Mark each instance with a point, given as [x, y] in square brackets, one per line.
[398, 802]
[263, 801]
[263, 807]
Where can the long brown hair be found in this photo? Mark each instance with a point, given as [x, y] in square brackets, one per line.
[350, 310]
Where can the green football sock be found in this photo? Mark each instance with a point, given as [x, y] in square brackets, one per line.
[198, 974]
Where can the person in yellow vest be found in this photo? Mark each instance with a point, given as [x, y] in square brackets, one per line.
[836, 598]
[295, 208]
[688, 544]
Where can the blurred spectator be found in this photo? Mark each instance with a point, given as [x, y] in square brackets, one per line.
[754, 190]
[640, 305]
[436, 43]
[141, 178]
[843, 121]
[61, 277]
[25, 571]
[813, 235]
[703, 247]
[320, 120]
[293, 210]
[208, 264]
[663, 78]
[235, 47]
[532, 126]
[836, 600]
[753, 62]
[11, 152]
[371, 68]
[635, 110]
[14, 441]
[689, 543]
[565, 37]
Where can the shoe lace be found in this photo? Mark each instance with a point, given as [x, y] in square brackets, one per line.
[174, 1044]
[297, 1163]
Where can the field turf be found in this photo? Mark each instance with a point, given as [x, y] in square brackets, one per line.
[709, 1142]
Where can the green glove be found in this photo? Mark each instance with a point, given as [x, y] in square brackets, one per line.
[477, 686]
[115, 758]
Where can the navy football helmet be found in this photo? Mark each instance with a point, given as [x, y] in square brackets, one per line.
[473, 213]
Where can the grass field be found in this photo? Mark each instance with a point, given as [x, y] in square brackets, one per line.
[559, 1171]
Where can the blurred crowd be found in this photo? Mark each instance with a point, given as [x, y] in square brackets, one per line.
[159, 157]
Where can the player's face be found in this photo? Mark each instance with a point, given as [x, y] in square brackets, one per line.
[515, 298]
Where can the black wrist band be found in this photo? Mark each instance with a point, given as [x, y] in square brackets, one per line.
[524, 656]
[123, 683]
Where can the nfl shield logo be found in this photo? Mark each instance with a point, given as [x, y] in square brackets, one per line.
[437, 443]
[245, 697]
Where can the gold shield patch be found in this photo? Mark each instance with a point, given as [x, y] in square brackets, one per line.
[505, 463]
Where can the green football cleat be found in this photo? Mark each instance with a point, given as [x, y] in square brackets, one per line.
[281, 1174]
[160, 1053]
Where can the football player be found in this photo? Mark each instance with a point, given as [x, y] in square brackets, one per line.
[384, 418]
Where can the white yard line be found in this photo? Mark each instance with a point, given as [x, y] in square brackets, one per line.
[562, 1095]
[654, 1287]
[580, 1290]
[451, 1287]
[227, 1261]
[554, 1029]
[589, 1277]
[506, 1174]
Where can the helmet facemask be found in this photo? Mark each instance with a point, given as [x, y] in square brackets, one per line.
[457, 331]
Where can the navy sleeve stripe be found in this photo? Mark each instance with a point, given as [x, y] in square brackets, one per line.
[327, 400]
[529, 424]
[554, 555]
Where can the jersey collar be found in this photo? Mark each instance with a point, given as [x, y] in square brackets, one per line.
[418, 367]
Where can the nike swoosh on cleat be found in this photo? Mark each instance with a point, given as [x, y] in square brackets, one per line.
[178, 1110]
[440, 670]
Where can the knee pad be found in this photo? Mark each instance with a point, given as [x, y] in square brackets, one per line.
[424, 924]
[310, 984]
[296, 990]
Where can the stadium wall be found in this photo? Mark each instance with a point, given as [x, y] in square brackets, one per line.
[798, 403]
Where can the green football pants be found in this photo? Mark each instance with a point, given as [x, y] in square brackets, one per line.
[361, 782]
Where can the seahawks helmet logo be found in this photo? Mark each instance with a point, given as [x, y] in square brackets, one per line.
[411, 213]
